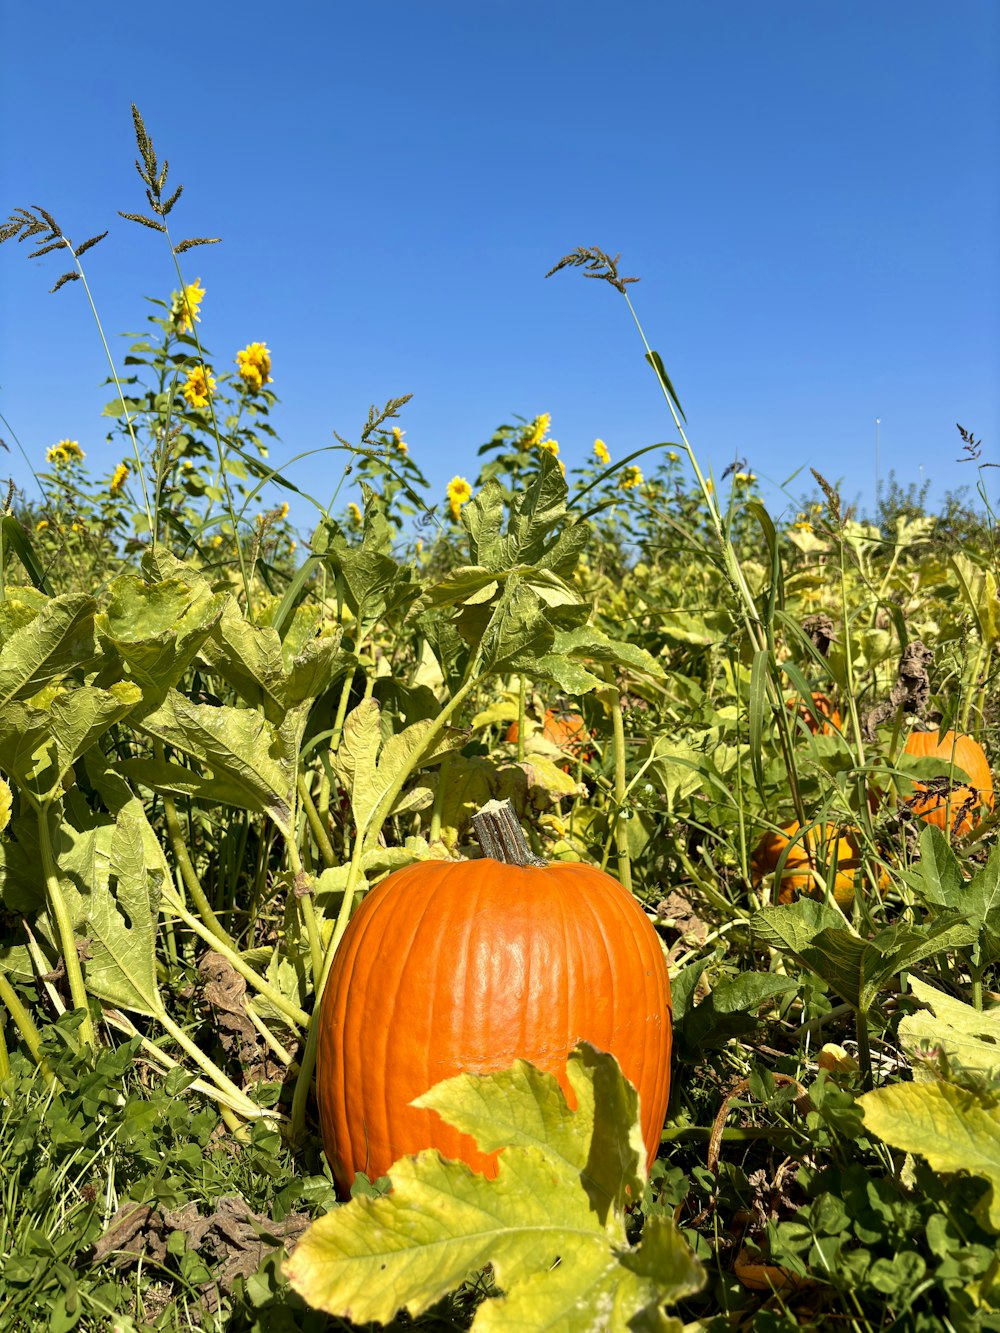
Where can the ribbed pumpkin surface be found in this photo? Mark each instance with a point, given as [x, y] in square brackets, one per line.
[956, 812]
[464, 967]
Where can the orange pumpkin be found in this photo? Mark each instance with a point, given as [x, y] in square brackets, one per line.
[566, 730]
[821, 705]
[809, 856]
[463, 967]
[956, 810]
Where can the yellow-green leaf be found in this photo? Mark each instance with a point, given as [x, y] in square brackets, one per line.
[969, 1037]
[551, 1224]
[955, 1128]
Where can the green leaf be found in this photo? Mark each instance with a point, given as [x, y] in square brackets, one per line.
[14, 538]
[521, 1108]
[374, 582]
[482, 519]
[367, 774]
[259, 760]
[954, 1128]
[729, 1010]
[655, 360]
[939, 879]
[463, 584]
[157, 628]
[518, 628]
[535, 517]
[757, 706]
[968, 1037]
[592, 645]
[938, 874]
[59, 638]
[121, 923]
[40, 740]
[248, 657]
[552, 1223]
[857, 969]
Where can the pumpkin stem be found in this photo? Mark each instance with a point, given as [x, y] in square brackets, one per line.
[500, 835]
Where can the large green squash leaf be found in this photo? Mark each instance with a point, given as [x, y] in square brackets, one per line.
[256, 761]
[856, 968]
[58, 638]
[552, 1224]
[368, 766]
[969, 1038]
[955, 1128]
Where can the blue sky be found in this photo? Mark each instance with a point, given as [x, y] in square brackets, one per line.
[809, 192]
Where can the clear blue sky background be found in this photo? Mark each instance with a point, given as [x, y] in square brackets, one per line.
[809, 191]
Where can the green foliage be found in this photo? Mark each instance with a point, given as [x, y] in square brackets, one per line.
[551, 1225]
[215, 736]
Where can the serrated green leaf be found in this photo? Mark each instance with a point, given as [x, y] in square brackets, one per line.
[600, 1141]
[158, 628]
[954, 1128]
[463, 584]
[729, 1009]
[237, 744]
[938, 873]
[121, 923]
[517, 628]
[374, 582]
[570, 675]
[536, 515]
[969, 1037]
[560, 1265]
[592, 645]
[857, 969]
[368, 774]
[41, 739]
[59, 638]
[482, 519]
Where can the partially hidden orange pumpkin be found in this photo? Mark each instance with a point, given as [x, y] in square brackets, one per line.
[957, 808]
[808, 860]
[464, 967]
[566, 730]
[820, 704]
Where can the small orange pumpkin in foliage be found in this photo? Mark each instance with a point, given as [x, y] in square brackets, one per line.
[952, 806]
[820, 704]
[809, 856]
[566, 730]
[465, 966]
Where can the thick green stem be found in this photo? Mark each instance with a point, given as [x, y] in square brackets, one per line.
[977, 984]
[64, 928]
[189, 875]
[238, 1100]
[864, 1049]
[320, 836]
[303, 897]
[338, 721]
[292, 1012]
[29, 1033]
[621, 787]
